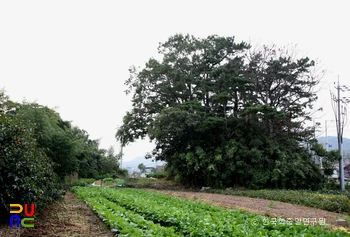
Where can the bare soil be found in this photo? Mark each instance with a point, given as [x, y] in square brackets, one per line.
[258, 206]
[66, 218]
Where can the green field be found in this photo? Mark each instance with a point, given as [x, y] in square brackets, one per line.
[133, 212]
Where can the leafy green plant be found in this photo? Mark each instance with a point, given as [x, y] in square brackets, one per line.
[147, 209]
[123, 221]
[108, 181]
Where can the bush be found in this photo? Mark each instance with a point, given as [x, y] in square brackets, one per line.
[108, 181]
[331, 185]
[120, 181]
[89, 180]
[26, 174]
[160, 175]
[78, 183]
[82, 182]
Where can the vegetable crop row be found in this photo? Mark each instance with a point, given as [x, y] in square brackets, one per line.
[190, 218]
[124, 222]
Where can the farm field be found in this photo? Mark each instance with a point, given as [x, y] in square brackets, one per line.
[133, 212]
[258, 206]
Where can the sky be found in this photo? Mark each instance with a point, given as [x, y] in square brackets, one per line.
[74, 55]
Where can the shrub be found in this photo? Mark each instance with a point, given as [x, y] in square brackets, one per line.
[26, 174]
[108, 181]
[89, 180]
[120, 181]
[82, 182]
[331, 185]
[160, 175]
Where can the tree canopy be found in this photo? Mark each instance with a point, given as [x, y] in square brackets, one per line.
[222, 114]
[39, 149]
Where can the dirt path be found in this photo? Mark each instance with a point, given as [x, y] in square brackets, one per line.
[66, 218]
[258, 206]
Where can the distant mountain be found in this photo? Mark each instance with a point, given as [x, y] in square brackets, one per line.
[134, 163]
[333, 143]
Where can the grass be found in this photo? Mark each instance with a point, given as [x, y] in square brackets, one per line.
[271, 204]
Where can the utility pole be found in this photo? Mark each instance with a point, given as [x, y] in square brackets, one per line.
[340, 143]
[341, 111]
[326, 139]
[121, 148]
[121, 155]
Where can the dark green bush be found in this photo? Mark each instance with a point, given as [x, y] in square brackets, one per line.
[331, 185]
[108, 181]
[160, 175]
[82, 182]
[26, 174]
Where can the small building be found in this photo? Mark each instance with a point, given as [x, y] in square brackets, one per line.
[335, 175]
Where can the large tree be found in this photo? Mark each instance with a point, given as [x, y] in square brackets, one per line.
[284, 87]
[222, 115]
[54, 135]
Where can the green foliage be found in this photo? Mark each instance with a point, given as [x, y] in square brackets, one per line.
[54, 136]
[82, 182]
[223, 115]
[329, 157]
[328, 202]
[108, 181]
[145, 212]
[157, 175]
[120, 181]
[39, 149]
[69, 147]
[124, 222]
[26, 173]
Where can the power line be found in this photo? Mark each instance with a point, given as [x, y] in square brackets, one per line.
[339, 104]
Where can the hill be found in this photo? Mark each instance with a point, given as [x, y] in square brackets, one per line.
[132, 164]
[333, 143]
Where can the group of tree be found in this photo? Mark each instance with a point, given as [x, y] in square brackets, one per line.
[223, 113]
[39, 150]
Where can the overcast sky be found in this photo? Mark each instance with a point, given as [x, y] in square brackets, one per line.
[75, 55]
